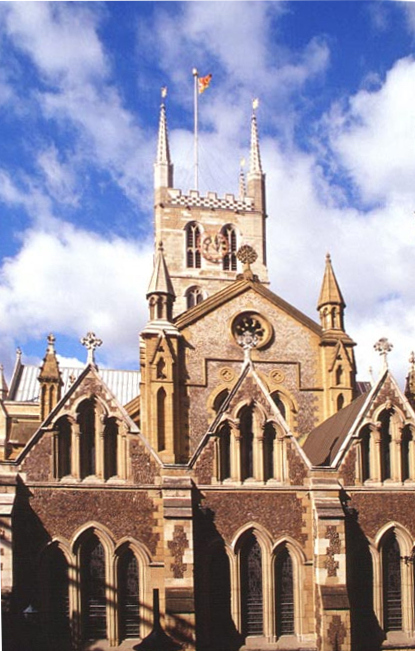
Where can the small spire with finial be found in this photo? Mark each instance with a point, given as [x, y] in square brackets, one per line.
[91, 343]
[383, 347]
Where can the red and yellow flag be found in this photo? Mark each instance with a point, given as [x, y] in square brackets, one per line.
[204, 83]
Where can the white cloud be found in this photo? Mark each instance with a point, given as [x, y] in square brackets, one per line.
[70, 281]
[373, 136]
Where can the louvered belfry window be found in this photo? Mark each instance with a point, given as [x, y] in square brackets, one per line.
[129, 600]
[251, 587]
[193, 256]
[229, 260]
[93, 590]
[285, 593]
[392, 585]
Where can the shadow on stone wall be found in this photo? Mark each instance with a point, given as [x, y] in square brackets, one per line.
[215, 628]
[366, 634]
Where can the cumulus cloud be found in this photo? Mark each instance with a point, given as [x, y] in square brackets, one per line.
[70, 281]
[370, 136]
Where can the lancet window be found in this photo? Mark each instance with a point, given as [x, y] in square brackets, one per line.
[194, 296]
[128, 596]
[229, 259]
[251, 587]
[64, 434]
[385, 443]
[284, 585]
[86, 421]
[392, 584]
[247, 443]
[193, 255]
[93, 589]
[110, 448]
[161, 420]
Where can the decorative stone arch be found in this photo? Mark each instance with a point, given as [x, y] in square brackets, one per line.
[289, 402]
[406, 545]
[105, 538]
[194, 295]
[298, 560]
[214, 395]
[143, 559]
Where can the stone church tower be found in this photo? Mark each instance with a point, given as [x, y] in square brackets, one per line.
[202, 234]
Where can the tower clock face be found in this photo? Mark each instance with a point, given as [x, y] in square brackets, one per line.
[214, 246]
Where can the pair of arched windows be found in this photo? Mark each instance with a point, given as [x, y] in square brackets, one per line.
[250, 448]
[80, 450]
[253, 594]
[386, 449]
[93, 591]
[194, 241]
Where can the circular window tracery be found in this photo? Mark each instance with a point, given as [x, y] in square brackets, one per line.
[251, 330]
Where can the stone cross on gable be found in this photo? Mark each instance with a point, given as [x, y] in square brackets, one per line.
[383, 347]
[91, 342]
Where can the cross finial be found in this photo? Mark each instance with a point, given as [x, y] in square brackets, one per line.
[411, 360]
[51, 343]
[247, 255]
[383, 347]
[91, 342]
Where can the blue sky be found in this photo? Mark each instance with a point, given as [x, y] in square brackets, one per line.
[79, 100]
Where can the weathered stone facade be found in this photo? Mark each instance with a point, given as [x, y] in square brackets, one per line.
[249, 480]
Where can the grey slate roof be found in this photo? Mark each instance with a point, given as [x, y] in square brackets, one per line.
[125, 385]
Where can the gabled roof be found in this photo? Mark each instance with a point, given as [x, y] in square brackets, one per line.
[235, 289]
[327, 443]
[88, 370]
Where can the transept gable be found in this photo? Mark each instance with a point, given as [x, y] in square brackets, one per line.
[276, 452]
[230, 292]
[49, 454]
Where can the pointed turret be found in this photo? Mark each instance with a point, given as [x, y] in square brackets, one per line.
[3, 385]
[160, 293]
[256, 177]
[163, 168]
[242, 185]
[331, 303]
[50, 380]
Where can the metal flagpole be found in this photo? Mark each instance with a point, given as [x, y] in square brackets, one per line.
[196, 153]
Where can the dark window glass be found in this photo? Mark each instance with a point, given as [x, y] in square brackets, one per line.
[285, 593]
[93, 590]
[129, 599]
[251, 587]
[392, 585]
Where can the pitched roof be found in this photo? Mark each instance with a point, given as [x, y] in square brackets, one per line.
[323, 442]
[235, 289]
[125, 385]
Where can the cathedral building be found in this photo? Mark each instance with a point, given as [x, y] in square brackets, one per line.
[242, 490]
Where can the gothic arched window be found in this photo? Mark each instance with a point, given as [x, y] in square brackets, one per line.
[194, 296]
[385, 443]
[229, 260]
[128, 596]
[110, 448]
[279, 403]
[225, 451]
[161, 419]
[247, 443]
[251, 587]
[93, 590]
[405, 448]
[365, 452]
[64, 430]
[86, 420]
[193, 257]
[284, 586]
[392, 585]
[340, 401]
[269, 439]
